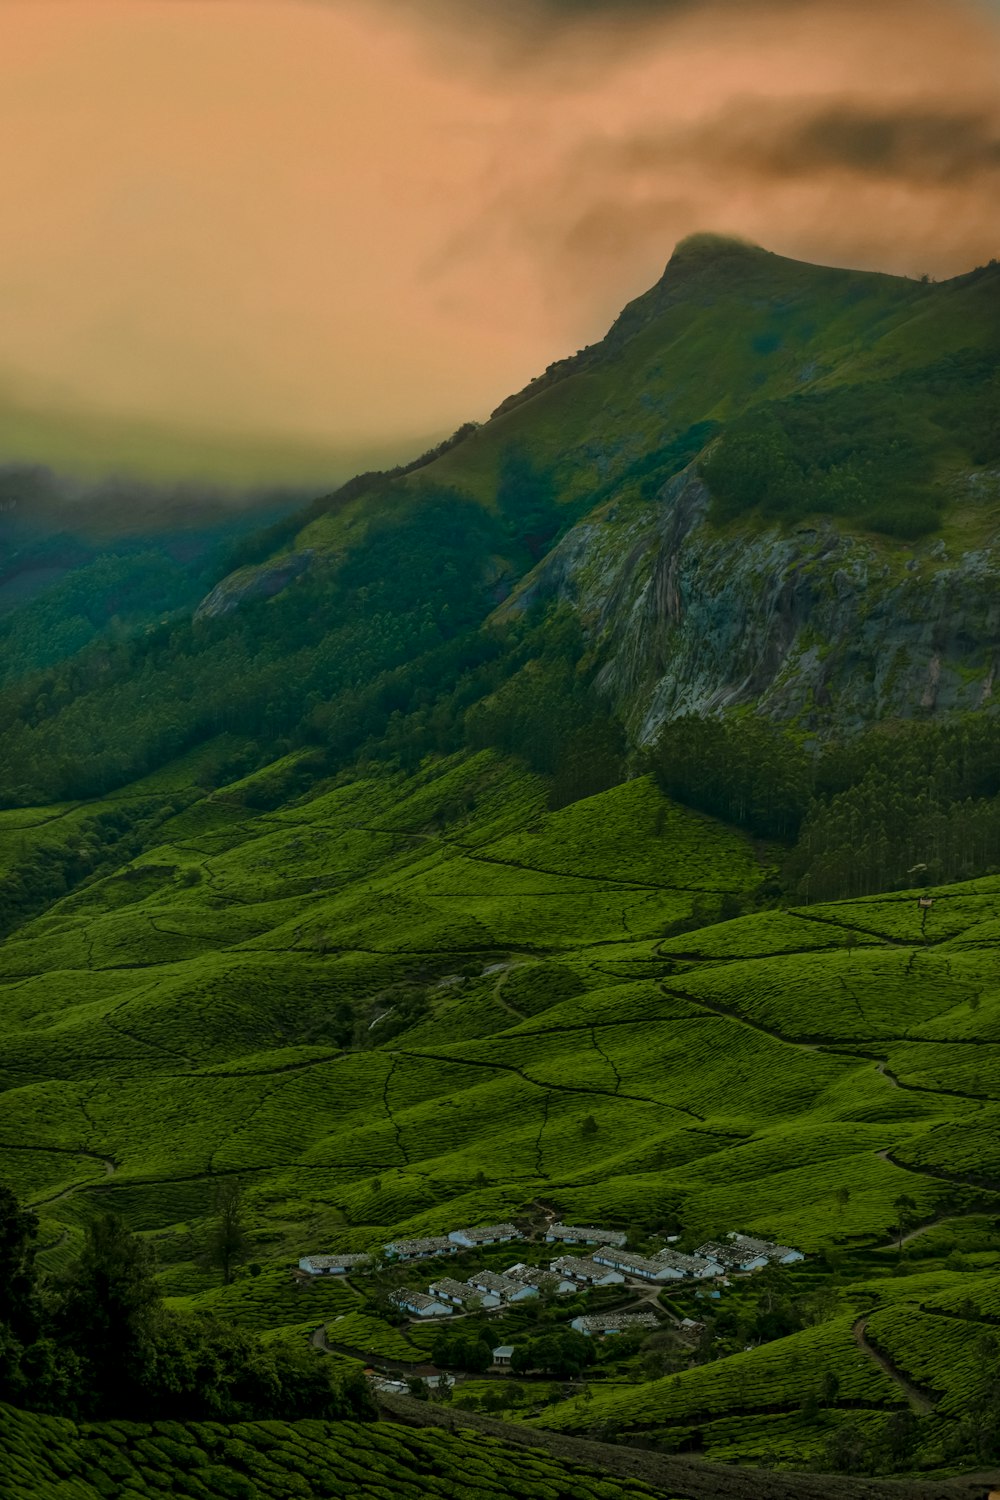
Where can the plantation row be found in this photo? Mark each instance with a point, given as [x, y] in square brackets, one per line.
[278, 1461]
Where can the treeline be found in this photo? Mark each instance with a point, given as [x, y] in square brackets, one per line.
[98, 1343]
[869, 453]
[898, 806]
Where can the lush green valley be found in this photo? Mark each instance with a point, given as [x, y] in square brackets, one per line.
[597, 819]
[405, 1003]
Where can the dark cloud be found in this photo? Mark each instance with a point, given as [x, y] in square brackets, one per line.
[918, 144]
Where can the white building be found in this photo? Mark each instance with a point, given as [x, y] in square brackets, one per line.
[485, 1234]
[332, 1265]
[459, 1293]
[504, 1288]
[545, 1281]
[503, 1354]
[420, 1304]
[688, 1265]
[573, 1234]
[782, 1255]
[606, 1323]
[631, 1264]
[732, 1257]
[586, 1272]
[420, 1249]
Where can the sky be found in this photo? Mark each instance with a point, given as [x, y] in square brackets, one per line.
[311, 231]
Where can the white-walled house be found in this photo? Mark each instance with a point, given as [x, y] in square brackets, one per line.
[574, 1234]
[696, 1266]
[631, 1264]
[420, 1304]
[546, 1281]
[332, 1265]
[586, 1272]
[505, 1288]
[459, 1293]
[420, 1249]
[782, 1255]
[608, 1323]
[484, 1234]
[731, 1256]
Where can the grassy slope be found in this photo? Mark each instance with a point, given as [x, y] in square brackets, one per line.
[728, 328]
[182, 1019]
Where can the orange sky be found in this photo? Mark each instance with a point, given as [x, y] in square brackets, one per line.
[343, 220]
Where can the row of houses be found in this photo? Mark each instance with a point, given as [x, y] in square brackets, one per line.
[483, 1289]
[609, 1262]
[429, 1247]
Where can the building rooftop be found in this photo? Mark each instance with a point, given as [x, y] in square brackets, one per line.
[323, 1262]
[762, 1247]
[483, 1232]
[683, 1262]
[449, 1287]
[627, 1260]
[600, 1322]
[579, 1266]
[429, 1245]
[490, 1281]
[536, 1276]
[726, 1255]
[597, 1236]
[405, 1297]
[503, 1351]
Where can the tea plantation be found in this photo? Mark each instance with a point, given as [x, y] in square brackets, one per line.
[44, 1456]
[398, 1005]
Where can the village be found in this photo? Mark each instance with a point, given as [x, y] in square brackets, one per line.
[590, 1259]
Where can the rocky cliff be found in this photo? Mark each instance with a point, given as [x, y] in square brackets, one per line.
[811, 625]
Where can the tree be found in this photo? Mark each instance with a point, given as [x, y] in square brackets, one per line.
[108, 1314]
[843, 1198]
[906, 1210]
[562, 1354]
[18, 1298]
[589, 1126]
[228, 1243]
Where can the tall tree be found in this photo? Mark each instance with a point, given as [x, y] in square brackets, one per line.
[109, 1312]
[228, 1242]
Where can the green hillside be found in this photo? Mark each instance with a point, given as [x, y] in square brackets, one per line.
[804, 394]
[403, 1003]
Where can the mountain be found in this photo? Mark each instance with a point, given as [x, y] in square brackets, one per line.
[521, 835]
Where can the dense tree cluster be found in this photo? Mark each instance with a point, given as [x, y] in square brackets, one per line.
[895, 807]
[99, 1342]
[866, 452]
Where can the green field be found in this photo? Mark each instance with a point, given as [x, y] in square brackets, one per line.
[402, 1004]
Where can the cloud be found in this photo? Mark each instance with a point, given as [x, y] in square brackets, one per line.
[915, 142]
[335, 220]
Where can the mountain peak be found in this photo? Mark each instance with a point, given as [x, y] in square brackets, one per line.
[705, 248]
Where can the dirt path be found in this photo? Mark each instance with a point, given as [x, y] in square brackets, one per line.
[920, 1403]
[109, 1170]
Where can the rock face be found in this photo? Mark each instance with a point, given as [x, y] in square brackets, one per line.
[253, 583]
[813, 625]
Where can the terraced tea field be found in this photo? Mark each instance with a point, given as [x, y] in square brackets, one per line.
[43, 1456]
[399, 1005]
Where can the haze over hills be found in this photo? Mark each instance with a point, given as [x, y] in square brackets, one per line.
[598, 817]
